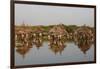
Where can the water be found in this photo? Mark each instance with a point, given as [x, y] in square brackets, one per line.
[43, 53]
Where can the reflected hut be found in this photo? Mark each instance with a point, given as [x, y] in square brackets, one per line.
[38, 42]
[84, 46]
[57, 48]
[57, 36]
[23, 50]
[38, 32]
[83, 37]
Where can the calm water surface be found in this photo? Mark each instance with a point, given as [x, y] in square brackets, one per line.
[44, 54]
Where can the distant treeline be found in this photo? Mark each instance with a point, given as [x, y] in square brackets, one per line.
[69, 28]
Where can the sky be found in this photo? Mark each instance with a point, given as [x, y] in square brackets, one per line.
[53, 15]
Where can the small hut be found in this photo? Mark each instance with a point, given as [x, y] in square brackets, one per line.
[58, 31]
[22, 32]
[83, 33]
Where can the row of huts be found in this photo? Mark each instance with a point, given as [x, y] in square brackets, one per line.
[58, 32]
[55, 35]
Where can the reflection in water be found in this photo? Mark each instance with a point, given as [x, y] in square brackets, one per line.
[41, 46]
[84, 38]
[38, 42]
[84, 45]
[23, 50]
[57, 46]
[25, 43]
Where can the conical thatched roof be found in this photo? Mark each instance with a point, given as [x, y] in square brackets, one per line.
[22, 30]
[38, 29]
[84, 29]
[58, 30]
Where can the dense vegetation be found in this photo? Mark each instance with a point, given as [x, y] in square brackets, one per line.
[69, 28]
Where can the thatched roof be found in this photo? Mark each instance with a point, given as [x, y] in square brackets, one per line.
[38, 29]
[84, 30]
[58, 30]
[22, 30]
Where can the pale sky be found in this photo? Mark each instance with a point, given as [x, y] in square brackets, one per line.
[51, 15]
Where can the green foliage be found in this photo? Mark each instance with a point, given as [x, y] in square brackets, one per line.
[69, 28]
